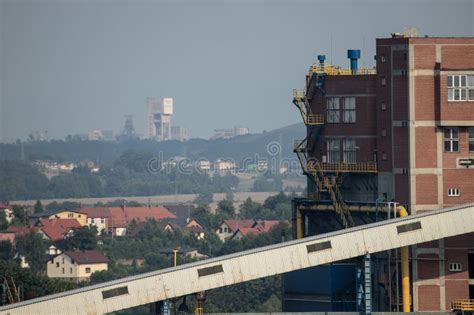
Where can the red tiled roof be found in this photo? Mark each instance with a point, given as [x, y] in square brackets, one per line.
[21, 230]
[267, 225]
[249, 231]
[141, 214]
[234, 225]
[56, 229]
[117, 217]
[121, 217]
[95, 212]
[87, 257]
[5, 206]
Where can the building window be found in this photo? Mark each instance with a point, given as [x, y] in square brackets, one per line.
[225, 230]
[70, 215]
[451, 139]
[384, 132]
[460, 87]
[382, 58]
[454, 192]
[384, 156]
[63, 270]
[70, 270]
[88, 270]
[349, 148]
[57, 265]
[333, 147]
[63, 261]
[470, 132]
[333, 109]
[102, 220]
[384, 106]
[455, 267]
[383, 81]
[349, 108]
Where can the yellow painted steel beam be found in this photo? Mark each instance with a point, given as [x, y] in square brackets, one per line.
[402, 212]
[299, 223]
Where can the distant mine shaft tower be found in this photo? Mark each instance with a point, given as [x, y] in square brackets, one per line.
[328, 167]
[159, 114]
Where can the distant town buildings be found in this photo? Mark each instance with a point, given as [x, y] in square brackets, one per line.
[100, 135]
[230, 133]
[179, 133]
[38, 135]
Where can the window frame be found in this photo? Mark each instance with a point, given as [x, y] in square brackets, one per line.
[349, 110]
[349, 151]
[454, 192]
[333, 150]
[333, 110]
[460, 87]
[455, 267]
[470, 139]
[451, 139]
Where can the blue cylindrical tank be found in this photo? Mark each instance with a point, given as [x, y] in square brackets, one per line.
[353, 55]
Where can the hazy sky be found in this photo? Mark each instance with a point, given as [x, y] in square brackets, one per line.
[72, 66]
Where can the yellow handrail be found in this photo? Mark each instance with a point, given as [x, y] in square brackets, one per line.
[462, 305]
[343, 167]
[333, 70]
[314, 119]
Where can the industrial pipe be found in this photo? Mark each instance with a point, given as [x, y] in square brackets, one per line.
[402, 212]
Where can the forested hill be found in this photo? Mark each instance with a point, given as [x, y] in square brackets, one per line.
[237, 148]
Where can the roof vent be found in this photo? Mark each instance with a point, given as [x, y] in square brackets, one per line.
[353, 55]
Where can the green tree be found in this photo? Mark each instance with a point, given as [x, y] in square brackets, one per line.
[83, 238]
[38, 207]
[225, 208]
[34, 248]
[21, 217]
[6, 250]
[3, 220]
[250, 209]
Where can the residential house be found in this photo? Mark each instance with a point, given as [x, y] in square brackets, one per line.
[53, 251]
[8, 210]
[76, 266]
[121, 217]
[224, 166]
[185, 225]
[80, 216]
[228, 227]
[57, 229]
[98, 217]
[236, 229]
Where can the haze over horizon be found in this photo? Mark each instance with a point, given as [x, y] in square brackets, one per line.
[72, 66]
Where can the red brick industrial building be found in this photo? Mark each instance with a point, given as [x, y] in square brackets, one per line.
[402, 132]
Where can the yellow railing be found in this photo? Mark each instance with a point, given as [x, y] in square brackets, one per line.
[462, 305]
[299, 94]
[333, 70]
[363, 167]
[314, 119]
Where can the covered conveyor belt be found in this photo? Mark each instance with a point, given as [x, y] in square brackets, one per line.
[253, 264]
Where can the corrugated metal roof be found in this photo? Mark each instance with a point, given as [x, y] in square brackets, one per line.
[253, 264]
